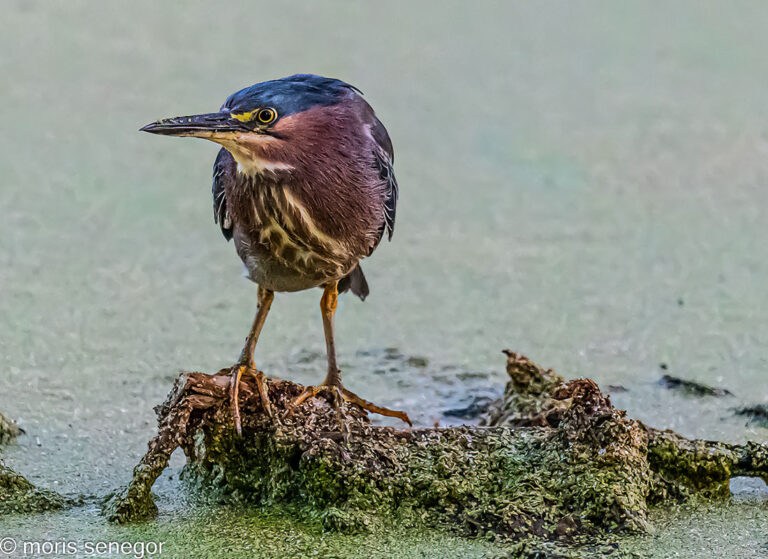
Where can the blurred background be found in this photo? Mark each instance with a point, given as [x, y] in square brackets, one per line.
[584, 182]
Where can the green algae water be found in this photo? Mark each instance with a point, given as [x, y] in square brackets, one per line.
[582, 182]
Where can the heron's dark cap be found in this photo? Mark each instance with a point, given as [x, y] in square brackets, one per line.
[294, 94]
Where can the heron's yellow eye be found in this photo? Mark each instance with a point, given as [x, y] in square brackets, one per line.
[266, 116]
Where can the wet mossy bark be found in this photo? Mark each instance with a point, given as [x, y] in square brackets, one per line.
[680, 468]
[512, 482]
[555, 460]
[17, 494]
[684, 468]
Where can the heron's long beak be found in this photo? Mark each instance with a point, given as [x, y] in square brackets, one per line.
[209, 126]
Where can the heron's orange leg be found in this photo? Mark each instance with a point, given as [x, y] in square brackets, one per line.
[332, 382]
[246, 363]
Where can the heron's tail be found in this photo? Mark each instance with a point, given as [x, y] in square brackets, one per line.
[355, 281]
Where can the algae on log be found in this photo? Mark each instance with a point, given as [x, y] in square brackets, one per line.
[683, 467]
[558, 462]
[679, 467]
[16, 493]
[478, 481]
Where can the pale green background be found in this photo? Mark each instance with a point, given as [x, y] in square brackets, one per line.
[568, 171]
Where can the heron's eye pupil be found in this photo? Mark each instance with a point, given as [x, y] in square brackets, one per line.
[265, 116]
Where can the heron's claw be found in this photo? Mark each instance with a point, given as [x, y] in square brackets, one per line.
[234, 392]
[339, 394]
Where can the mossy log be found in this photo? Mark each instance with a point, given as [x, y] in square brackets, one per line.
[679, 467]
[17, 494]
[556, 460]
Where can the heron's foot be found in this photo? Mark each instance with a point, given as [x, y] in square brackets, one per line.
[339, 393]
[234, 391]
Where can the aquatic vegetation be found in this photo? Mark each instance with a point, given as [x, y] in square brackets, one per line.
[17, 494]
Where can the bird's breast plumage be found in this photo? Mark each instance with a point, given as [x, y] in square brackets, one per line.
[281, 226]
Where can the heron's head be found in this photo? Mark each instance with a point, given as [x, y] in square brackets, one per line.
[272, 125]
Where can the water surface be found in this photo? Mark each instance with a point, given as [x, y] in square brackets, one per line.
[584, 182]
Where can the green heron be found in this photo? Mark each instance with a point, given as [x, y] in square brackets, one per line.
[305, 187]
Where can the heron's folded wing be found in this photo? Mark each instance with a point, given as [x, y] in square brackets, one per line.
[224, 170]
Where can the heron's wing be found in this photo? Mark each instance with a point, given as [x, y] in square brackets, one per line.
[384, 159]
[224, 172]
